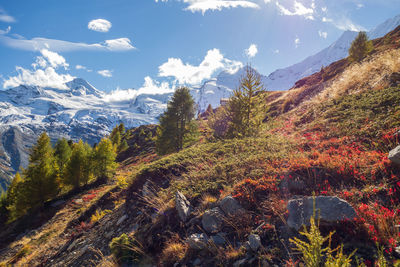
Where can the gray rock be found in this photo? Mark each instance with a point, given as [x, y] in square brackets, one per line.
[394, 155]
[197, 241]
[230, 206]
[123, 218]
[242, 262]
[254, 242]
[218, 239]
[328, 208]
[212, 220]
[197, 262]
[182, 206]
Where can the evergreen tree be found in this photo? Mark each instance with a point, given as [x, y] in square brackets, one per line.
[79, 168]
[104, 159]
[360, 47]
[12, 190]
[176, 124]
[123, 146]
[63, 153]
[243, 106]
[40, 181]
[121, 128]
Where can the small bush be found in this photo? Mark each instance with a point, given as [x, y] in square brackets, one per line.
[126, 249]
[98, 215]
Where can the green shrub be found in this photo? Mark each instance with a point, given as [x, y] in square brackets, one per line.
[126, 249]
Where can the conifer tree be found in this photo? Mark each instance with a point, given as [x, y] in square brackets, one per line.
[243, 106]
[104, 159]
[79, 168]
[63, 153]
[176, 124]
[40, 181]
[360, 47]
[123, 146]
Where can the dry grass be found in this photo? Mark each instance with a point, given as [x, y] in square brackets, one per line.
[173, 252]
[207, 200]
[367, 75]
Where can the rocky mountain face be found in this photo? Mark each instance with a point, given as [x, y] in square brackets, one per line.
[284, 79]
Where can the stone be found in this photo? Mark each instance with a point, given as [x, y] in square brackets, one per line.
[197, 262]
[182, 205]
[328, 208]
[394, 155]
[230, 206]
[239, 263]
[57, 203]
[218, 239]
[197, 241]
[212, 220]
[123, 218]
[254, 242]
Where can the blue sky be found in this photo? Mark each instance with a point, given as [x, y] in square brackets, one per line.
[156, 45]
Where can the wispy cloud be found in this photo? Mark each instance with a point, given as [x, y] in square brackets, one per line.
[105, 73]
[251, 51]
[205, 5]
[4, 17]
[99, 25]
[80, 67]
[194, 75]
[38, 43]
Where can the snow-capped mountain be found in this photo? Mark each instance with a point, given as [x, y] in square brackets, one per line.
[284, 79]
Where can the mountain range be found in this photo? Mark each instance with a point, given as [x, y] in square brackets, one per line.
[83, 112]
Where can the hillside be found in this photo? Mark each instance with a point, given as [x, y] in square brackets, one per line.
[238, 202]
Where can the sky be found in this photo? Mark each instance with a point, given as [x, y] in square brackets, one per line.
[156, 45]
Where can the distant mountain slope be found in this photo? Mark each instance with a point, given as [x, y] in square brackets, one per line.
[284, 79]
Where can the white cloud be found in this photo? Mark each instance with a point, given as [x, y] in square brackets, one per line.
[6, 31]
[299, 10]
[80, 67]
[267, 1]
[4, 17]
[105, 73]
[99, 25]
[205, 5]
[149, 86]
[345, 24]
[323, 34]
[276, 51]
[38, 43]
[44, 72]
[324, 9]
[297, 42]
[360, 5]
[251, 51]
[194, 75]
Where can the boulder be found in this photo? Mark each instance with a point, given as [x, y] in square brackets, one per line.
[394, 155]
[212, 220]
[197, 241]
[254, 242]
[182, 206]
[230, 206]
[328, 208]
[219, 239]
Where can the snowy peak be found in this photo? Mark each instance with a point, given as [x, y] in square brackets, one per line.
[284, 79]
[384, 28]
[81, 87]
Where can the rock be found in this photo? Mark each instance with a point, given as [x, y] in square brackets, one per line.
[108, 235]
[197, 241]
[329, 209]
[242, 262]
[182, 206]
[254, 242]
[397, 251]
[230, 206]
[394, 155]
[57, 203]
[212, 220]
[197, 262]
[123, 218]
[219, 239]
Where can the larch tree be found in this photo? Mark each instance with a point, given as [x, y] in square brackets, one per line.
[243, 106]
[104, 159]
[177, 127]
[79, 168]
[360, 47]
